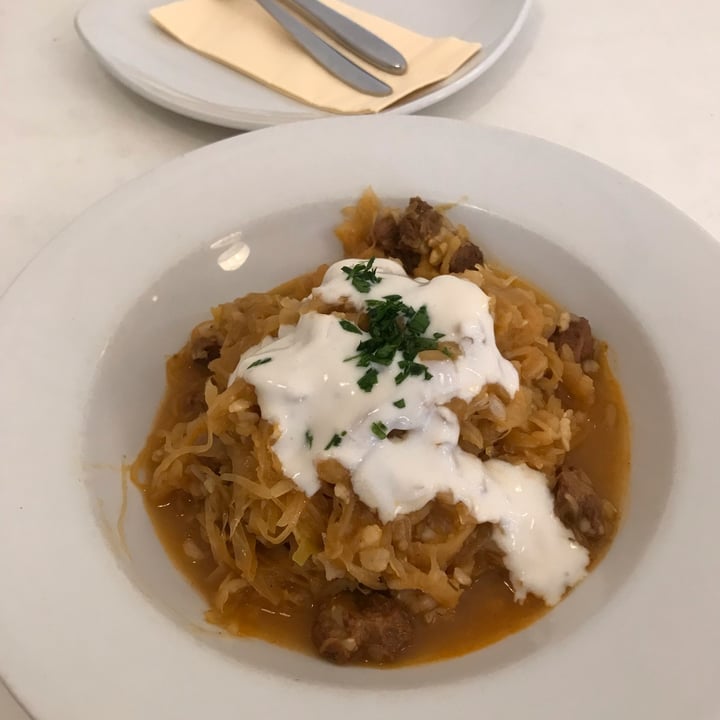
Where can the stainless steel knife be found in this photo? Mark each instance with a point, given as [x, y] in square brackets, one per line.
[334, 62]
[354, 37]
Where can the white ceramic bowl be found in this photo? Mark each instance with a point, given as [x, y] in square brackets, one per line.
[97, 624]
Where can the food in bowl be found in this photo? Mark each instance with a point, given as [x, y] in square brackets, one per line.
[400, 457]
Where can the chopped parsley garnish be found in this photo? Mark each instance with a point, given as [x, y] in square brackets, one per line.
[261, 361]
[362, 275]
[335, 440]
[410, 367]
[394, 327]
[368, 380]
[399, 403]
[308, 439]
[419, 322]
[379, 429]
[350, 327]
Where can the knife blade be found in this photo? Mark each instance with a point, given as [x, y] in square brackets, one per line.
[334, 62]
[354, 37]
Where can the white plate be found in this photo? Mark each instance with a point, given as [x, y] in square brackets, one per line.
[165, 72]
[91, 628]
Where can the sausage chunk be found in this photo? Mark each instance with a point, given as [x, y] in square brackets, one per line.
[578, 337]
[578, 505]
[352, 626]
[466, 257]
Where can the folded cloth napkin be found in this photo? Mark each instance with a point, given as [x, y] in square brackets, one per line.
[240, 34]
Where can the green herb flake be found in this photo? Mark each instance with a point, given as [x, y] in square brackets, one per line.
[379, 429]
[308, 439]
[411, 368]
[335, 440]
[368, 380]
[362, 275]
[399, 403]
[350, 327]
[419, 322]
[261, 361]
[394, 328]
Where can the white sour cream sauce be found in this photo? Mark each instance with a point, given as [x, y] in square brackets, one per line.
[308, 391]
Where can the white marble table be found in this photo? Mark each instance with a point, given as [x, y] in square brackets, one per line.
[633, 84]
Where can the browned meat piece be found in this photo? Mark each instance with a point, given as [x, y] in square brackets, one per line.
[466, 257]
[386, 235]
[352, 626]
[419, 222]
[385, 232]
[578, 337]
[205, 348]
[578, 505]
[407, 239]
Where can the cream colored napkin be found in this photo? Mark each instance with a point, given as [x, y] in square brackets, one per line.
[239, 33]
